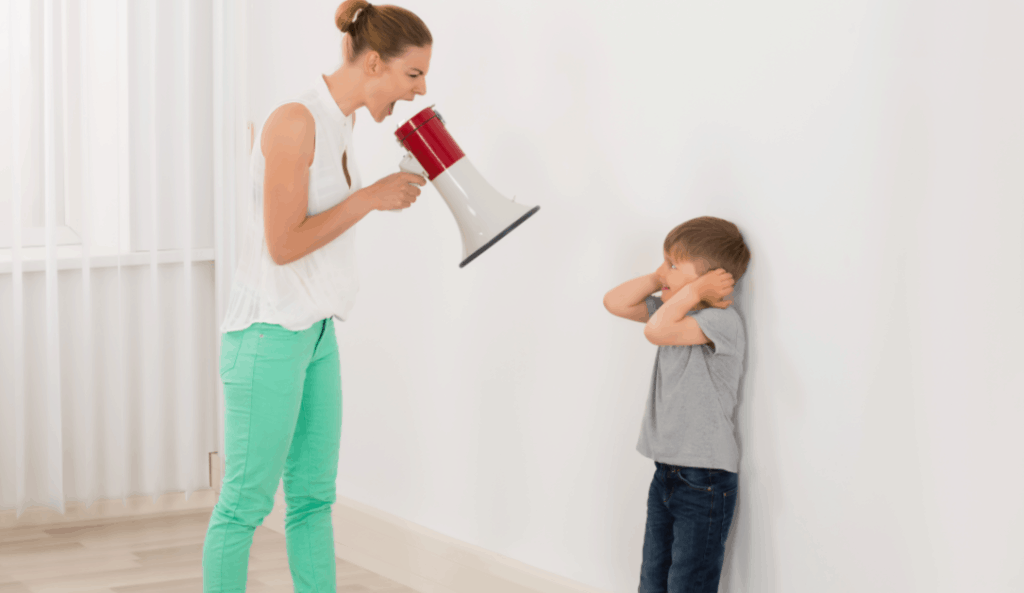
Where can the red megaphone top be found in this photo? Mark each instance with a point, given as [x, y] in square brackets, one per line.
[425, 136]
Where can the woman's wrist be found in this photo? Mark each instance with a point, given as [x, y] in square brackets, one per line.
[366, 200]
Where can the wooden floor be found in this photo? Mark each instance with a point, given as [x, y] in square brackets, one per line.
[156, 554]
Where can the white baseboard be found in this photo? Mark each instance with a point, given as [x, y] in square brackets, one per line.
[114, 508]
[111, 509]
[425, 560]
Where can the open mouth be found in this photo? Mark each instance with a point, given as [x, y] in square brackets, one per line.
[391, 108]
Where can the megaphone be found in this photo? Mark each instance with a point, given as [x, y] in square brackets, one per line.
[483, 215]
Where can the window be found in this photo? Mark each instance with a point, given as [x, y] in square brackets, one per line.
[105, 115]
[36, 65]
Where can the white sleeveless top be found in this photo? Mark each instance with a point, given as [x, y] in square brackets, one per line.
[323, 283]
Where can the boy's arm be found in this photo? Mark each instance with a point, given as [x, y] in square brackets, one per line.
[627, 299]
[670, 326]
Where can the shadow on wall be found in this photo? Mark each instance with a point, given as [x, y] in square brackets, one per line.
[739, 302]
[749, 552]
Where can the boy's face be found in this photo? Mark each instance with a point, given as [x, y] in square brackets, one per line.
[674, 274]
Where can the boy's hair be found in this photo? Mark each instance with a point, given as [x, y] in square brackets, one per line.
[709, 243]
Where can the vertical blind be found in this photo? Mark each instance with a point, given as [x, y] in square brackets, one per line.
[117, 248]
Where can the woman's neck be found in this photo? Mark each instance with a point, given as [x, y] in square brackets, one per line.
[344, 85]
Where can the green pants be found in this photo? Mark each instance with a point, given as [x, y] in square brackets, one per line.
[282, 415]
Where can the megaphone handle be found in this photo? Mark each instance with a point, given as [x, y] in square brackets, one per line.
[410, 165]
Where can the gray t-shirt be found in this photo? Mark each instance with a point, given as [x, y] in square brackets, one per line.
[689, 416]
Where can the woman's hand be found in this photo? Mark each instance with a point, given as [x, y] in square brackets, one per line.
[396, 191]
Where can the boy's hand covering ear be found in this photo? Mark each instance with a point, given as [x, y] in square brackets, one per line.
[714, 286]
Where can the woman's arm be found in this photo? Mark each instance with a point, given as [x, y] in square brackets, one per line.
[288, 146]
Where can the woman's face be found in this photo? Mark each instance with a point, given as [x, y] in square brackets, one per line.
[402, 78]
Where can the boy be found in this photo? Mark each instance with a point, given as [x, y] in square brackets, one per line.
[687, 428]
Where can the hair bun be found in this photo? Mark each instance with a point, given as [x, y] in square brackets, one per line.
[348, 12]
[387, 30]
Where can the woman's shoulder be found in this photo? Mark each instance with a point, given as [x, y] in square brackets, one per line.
[293, 114]
[289, 127]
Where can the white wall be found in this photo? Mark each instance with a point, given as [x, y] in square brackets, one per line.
[870, 152]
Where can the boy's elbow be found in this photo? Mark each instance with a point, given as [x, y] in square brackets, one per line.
[657, 334]
[615, 310]
[611, 304]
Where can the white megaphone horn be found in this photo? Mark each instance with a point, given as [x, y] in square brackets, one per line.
[483, 215]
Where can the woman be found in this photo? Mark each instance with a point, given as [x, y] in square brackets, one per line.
[279, 358]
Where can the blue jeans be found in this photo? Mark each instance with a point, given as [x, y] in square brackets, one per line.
[689, 511]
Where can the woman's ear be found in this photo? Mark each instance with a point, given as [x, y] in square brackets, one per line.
[373, 64]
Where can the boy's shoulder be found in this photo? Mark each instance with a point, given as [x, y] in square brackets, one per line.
[728, 320]
[729, 315]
